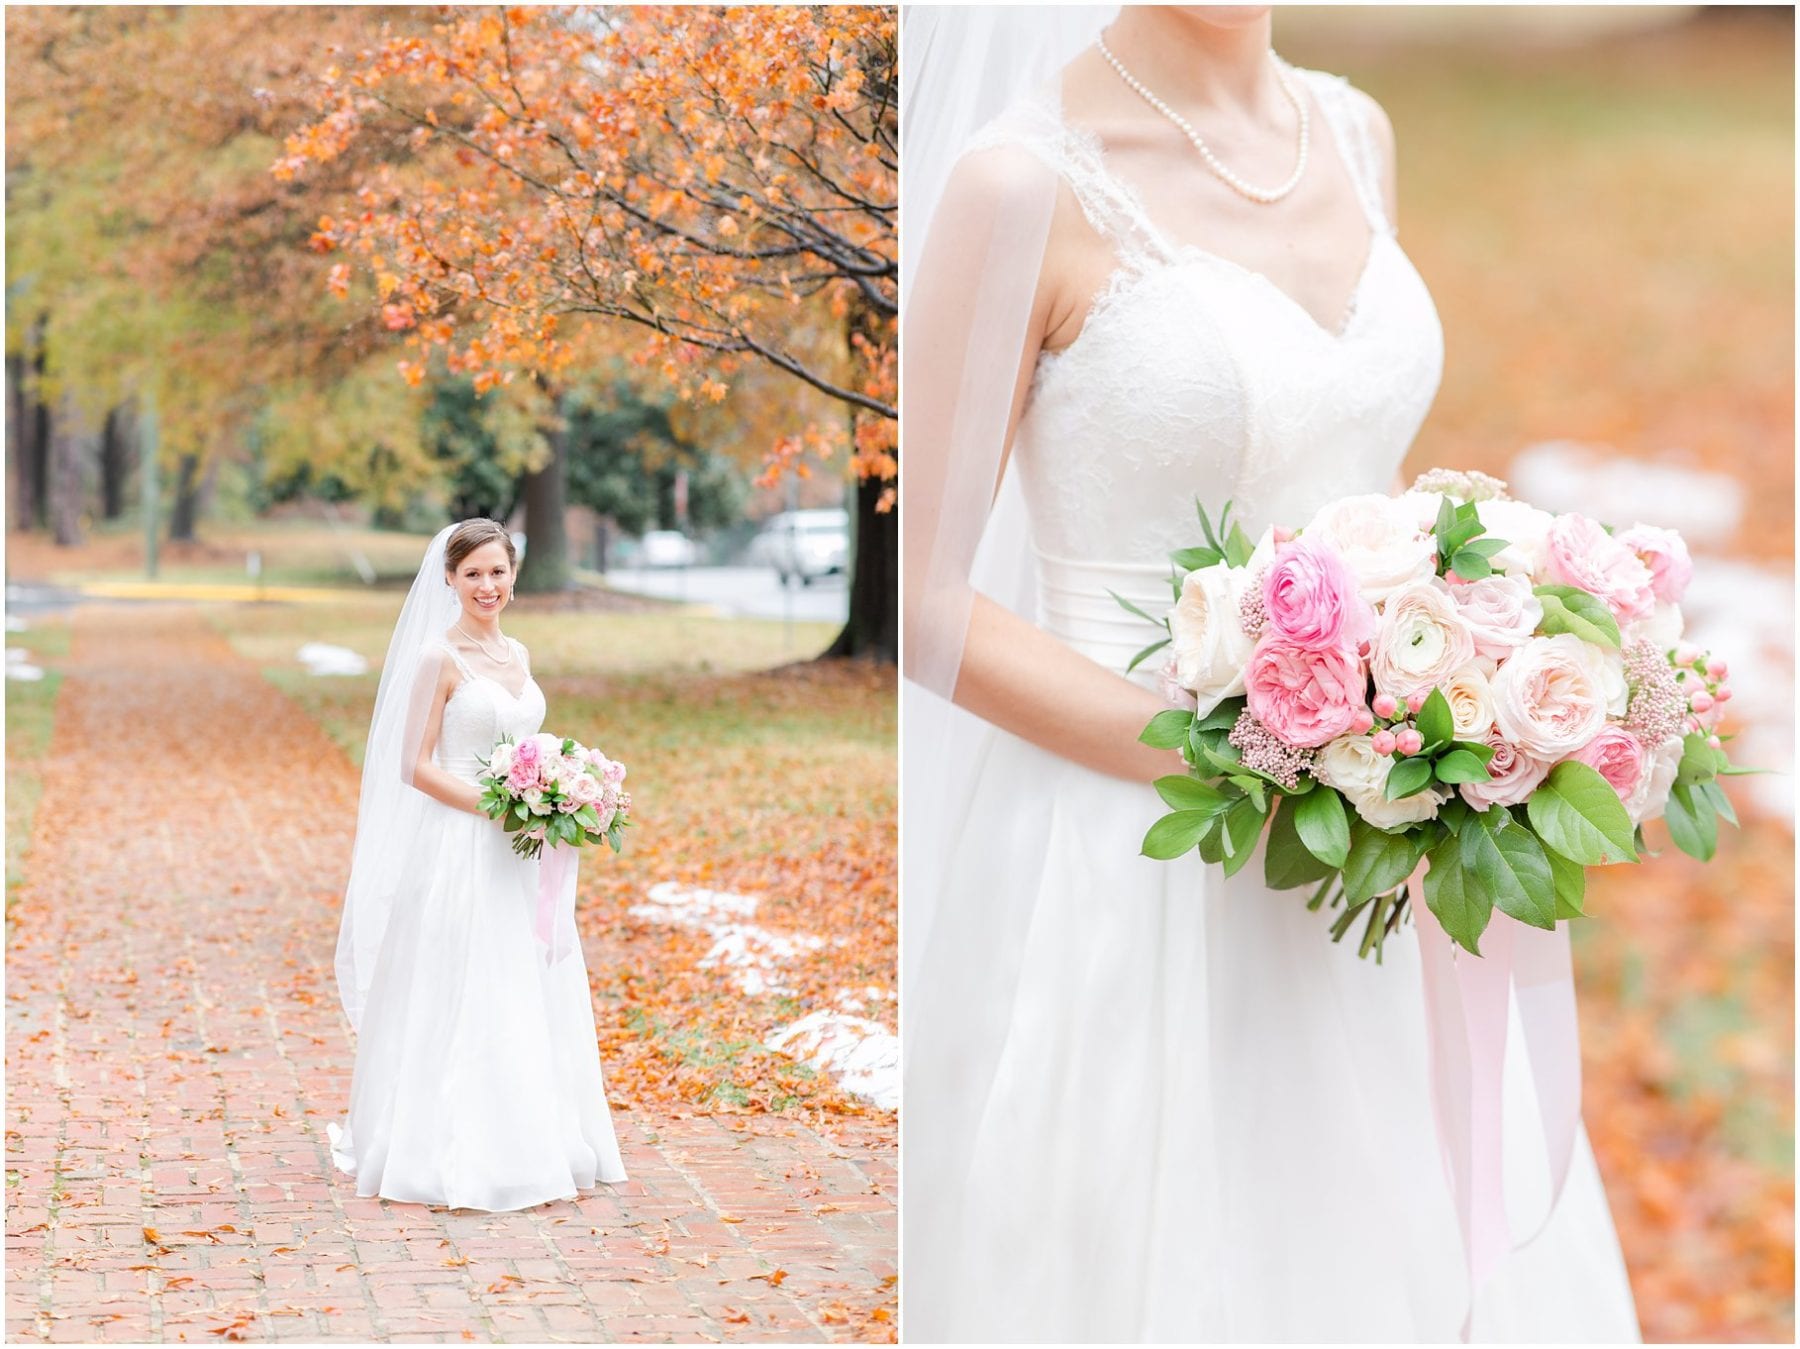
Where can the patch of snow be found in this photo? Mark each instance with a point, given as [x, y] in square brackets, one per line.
[860, 1054]
[1563, 475]
[322, 658]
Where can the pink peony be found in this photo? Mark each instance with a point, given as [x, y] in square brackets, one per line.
[1584, 555]
[1305, 697]
[527, 752]
[1312, 600]
[1513, 775]
[1616, 755]
[522, 776]
[1665, 553]
[1552, 697]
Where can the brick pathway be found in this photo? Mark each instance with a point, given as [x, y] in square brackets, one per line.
[175, 1048]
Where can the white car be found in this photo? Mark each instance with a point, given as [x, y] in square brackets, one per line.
[805, 545]
[666, 548]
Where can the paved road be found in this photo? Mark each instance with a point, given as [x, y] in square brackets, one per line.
[746, 592]
[174, 1048]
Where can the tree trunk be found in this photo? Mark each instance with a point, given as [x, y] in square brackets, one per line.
[70, 449]
[546, 566]
[186, 513]
[38, 442]
[873, 629]
[21, 423]
[115, 461]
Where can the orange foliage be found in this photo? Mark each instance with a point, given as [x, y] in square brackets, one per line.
[724, 178]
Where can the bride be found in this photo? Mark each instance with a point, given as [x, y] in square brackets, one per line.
[1143, 1100]
[477, 1081]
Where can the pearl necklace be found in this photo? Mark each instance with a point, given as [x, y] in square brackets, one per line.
[1257, 194]
[483, 649]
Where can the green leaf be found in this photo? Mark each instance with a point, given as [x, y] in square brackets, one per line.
[1196, 559]
[1480, 751]
[1487, 546]
[1576, 814]
[1150, 650]
[1322, 824]
[1470, 566]
[1238, 547]
[1461, 909]
[1570, 880]
[1721, 802]
[1206, 525]
[1167, 730]
[1223, 717]
[1180, 792]
[1134, 609]
[1435, 724]
[1461, 766]
[1287, 864]
[1446, 521]
[1242, 824]
[1572, 610]
[1409, 777]
[1700, 762]
[522, 810]
[1692, 823]
[1512, 868]
[1175, 834]
[1377, 861]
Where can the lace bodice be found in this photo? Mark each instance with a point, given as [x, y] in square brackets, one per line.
[1195, 377]
[479, 711]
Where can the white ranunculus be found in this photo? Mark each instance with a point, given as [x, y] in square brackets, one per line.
[1351, 764]
[1471, 703]
[1662, 629]
[1526, 530]
[1381, 541]
[1651, 795]
[1420, 640]
[1207, 635]
[1551, 698]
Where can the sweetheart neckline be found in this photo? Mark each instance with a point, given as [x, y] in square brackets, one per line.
[470, 675]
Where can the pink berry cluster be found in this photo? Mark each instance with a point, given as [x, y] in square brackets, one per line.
[1701, 677]
[1397, 737]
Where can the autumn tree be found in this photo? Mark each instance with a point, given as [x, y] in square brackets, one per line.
[722, 180]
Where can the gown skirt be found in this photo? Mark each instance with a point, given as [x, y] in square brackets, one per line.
[1148, 1102]
[477, 1081]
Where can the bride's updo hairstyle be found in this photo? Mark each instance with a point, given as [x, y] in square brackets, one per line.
[472, 534]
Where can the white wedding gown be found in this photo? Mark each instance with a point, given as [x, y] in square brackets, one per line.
[477, 1081]
[1143, 1101]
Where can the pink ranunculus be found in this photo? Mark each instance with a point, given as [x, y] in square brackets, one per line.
[1616, 755]
[527, 752]
[1305, 697]
[1513, 775]
[1312, 599]
[1584, 555]
[1665, 553]
[1501, 613]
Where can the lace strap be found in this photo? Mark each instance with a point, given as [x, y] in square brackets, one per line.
[520, 651]
[1361, 156]
[1109, 205]
[457, 660]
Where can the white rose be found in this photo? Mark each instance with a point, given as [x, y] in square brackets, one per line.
[1551, 698]
[1651, 795]
[554, 768]
[1526, 530]
[1381, 540]
[1420, 640]
[534, 798]
[1662, 629]
[500, 761]
[1471, 703]
[1207, 637]
[1351, 764]
[1501, 613]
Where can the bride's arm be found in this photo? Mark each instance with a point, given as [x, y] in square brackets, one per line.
[425, 774]
[1011, 672]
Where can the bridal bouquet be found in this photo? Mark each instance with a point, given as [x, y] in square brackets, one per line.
[1446, 675]
[549, 789]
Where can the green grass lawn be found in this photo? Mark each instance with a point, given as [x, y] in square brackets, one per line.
[30, 717]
